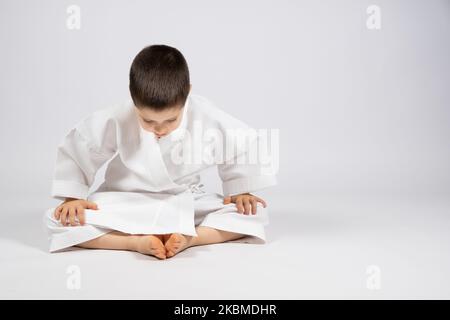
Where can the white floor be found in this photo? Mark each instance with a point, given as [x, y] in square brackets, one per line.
[319, 247]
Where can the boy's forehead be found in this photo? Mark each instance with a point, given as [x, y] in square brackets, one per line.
[159, 115]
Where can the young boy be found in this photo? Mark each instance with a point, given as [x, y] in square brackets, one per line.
[158, 142]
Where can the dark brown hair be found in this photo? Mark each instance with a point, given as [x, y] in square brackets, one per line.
[159, 78]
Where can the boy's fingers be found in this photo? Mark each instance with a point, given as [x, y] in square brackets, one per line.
[57, 213]
[239, 205]
[227, 200]
[91, 205]
[254, 205]
[72, 215]
[63, 216]
[262, 201]
[80, 215]
[246, 205]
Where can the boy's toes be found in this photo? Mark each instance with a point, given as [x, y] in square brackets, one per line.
[159, 252]
[175, 243]
[152, 245]
[165, 237]
[160, 255]
[170, 254]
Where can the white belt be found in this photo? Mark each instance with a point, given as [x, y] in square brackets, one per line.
[196, 188]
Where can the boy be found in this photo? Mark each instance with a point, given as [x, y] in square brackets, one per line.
[151, 200]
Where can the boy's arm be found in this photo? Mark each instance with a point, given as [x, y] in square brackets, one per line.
[240, 175]
[79, 156]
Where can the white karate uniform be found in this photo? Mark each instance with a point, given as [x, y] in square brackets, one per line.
[145, 191]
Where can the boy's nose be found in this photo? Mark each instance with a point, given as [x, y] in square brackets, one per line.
[158, 130]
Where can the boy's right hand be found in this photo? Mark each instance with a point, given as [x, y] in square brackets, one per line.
[71, 209]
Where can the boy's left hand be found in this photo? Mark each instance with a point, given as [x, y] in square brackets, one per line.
[245, 202]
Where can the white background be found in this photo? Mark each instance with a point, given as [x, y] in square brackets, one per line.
[364, 118]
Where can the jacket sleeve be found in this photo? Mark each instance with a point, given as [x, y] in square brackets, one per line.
[248, 171]
[82, 152]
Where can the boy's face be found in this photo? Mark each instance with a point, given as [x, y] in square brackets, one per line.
[160, 122]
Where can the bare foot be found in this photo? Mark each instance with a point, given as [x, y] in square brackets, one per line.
[151, 245]
[175, 243]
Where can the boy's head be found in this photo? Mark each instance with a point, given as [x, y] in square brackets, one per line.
[159, 86]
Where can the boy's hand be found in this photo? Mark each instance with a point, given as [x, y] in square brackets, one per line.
[71, 208]
[245, 202]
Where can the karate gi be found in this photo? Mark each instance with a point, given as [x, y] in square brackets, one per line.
[145, 191]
